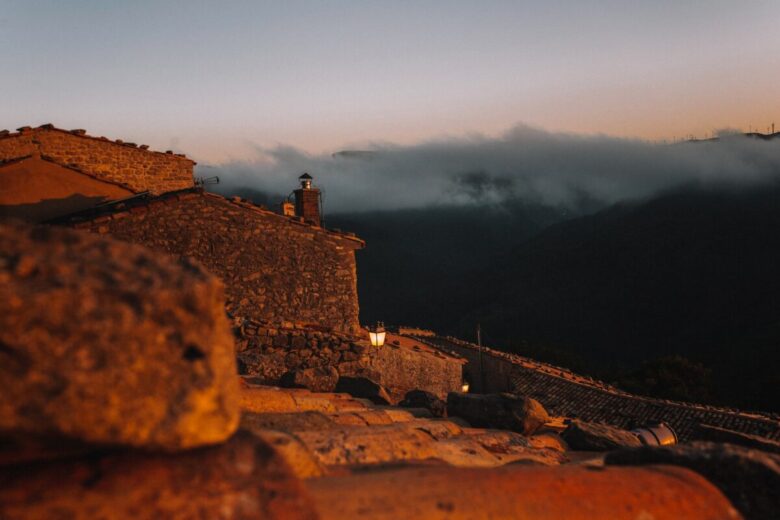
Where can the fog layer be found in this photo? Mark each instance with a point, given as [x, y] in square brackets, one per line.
[525, 163]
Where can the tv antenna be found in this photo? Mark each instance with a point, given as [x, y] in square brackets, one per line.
[206, 181]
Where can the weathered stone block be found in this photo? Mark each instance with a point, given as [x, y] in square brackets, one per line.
[244, 478]
[586, 436]
[107, 342]
[364, 388]
[319, 379]
[427, 400]
[505, 411]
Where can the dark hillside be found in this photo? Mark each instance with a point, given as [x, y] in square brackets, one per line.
[416, 261]
[694, 273]
[678, 296]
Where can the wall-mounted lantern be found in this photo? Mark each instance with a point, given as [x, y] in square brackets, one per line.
[377, 334]
[465, 387]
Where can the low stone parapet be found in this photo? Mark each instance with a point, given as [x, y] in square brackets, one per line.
[521, 492]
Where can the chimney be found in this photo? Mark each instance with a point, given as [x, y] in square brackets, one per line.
[288, 209]
[307, 201]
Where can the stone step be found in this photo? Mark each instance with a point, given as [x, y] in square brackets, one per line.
[268, 399]
[421, 439]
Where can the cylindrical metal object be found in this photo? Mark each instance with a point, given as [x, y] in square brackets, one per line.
[660, 434]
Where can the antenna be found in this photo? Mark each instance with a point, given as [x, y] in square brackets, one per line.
[481, 371]
[205, 181]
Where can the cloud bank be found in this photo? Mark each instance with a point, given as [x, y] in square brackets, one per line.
[525, 163]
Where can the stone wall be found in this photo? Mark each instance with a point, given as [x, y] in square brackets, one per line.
[267, 352]
[127, 164]
[404, 369]
[276, 269]
[567, 394]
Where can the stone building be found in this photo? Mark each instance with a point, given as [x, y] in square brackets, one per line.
[279, 271]
[290, 283]
[47, 172]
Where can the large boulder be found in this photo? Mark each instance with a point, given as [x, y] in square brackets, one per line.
[585, 436]
[244, 478]
[107, 342]
[423, 399]
[504, 411]
[749, 478]
[364, 388]
[317, 379]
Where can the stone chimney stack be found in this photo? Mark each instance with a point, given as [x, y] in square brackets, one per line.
[307, 201]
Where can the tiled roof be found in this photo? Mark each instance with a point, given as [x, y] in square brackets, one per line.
[67, 167]
[361, 460]
[568, 394]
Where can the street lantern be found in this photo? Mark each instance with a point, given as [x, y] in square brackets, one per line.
[465, 387]
[377, 334]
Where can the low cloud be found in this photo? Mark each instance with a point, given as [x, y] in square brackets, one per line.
[525, 163]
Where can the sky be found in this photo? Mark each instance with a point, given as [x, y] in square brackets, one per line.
[227, 81]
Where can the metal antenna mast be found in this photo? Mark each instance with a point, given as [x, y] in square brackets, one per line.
[481, 371]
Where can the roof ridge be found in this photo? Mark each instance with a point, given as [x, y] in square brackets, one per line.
[78, 132]
[91, 214]
[248, 204]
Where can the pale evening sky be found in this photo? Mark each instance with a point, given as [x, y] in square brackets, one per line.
[215, 79]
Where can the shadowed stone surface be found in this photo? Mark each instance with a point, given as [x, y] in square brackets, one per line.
[715, 434]
[242, 479]
[586, 436]
[749, 478]
[318, 379]
[287, 422]
[364, 388]
[427, 400]
[504, 411]
[106, 342]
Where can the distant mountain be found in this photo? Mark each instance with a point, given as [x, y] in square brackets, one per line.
[694, 273]
[416, 259]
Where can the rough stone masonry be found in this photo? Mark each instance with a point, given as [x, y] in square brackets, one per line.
[276, 269]
[127, 164]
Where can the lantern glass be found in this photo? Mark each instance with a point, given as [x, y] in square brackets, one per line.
[465, 387]
[377, 335]
[377, 338]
